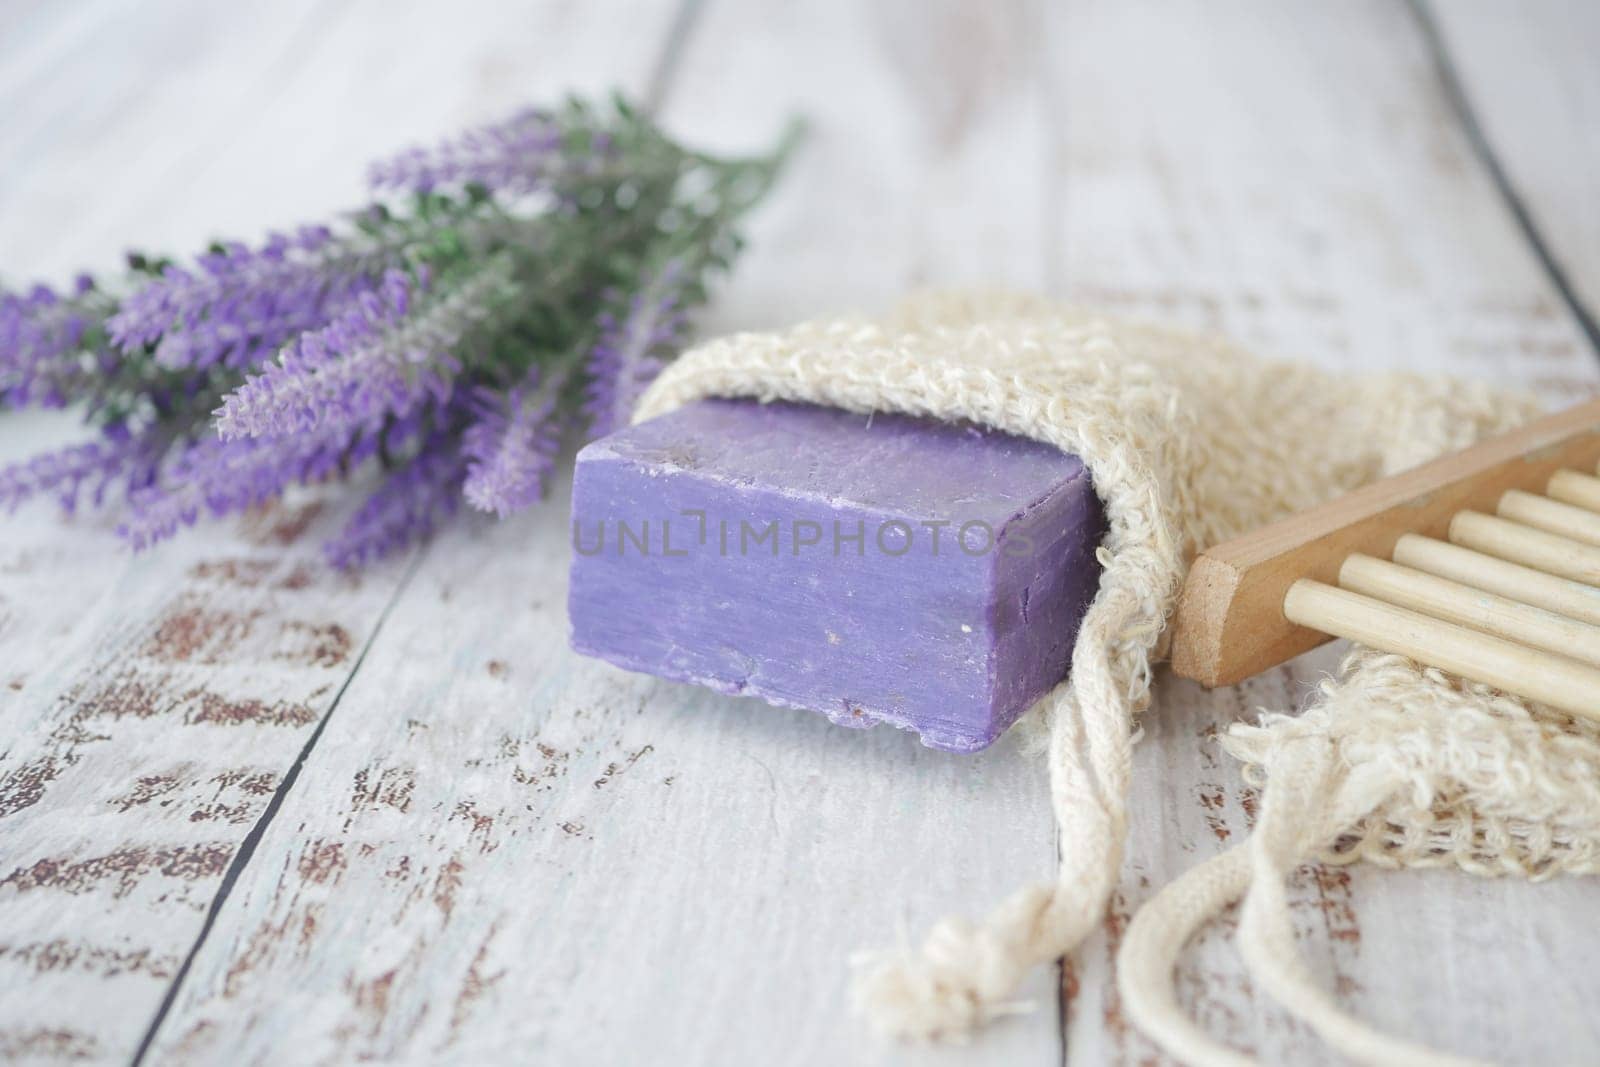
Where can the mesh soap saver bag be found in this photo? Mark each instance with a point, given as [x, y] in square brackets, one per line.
[1191, 441]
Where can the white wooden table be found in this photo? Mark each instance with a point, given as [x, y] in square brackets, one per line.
[254, 812]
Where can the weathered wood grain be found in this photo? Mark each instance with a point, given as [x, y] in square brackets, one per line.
[151, 708]
[926, 162]
[129, 107]
[1294, 177]
[499, 851]
[139, 755]
[502, 851]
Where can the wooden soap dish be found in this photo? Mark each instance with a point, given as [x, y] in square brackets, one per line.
[1495, 572]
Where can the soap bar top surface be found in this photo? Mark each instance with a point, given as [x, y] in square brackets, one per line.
[894, 464]
[876, 568]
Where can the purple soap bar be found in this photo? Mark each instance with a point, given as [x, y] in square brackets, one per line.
[883, 569]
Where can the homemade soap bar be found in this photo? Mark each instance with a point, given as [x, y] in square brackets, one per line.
[876, 569]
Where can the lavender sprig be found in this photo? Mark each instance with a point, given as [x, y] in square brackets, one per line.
[537, 273]
[633, 349]
[98, 465]
[48, 342]
[407, 507]
[520, 155]
[241, 305]
[511, 446]
[218, 477]
[385, 355]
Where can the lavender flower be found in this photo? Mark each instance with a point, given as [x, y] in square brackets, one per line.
[524, 154]
[511, 447]
[403, 334]
[238, 306]
[631, 351]
[42, 336]
[65, 472]
[220, 477]
[407, 507]
[386, 354]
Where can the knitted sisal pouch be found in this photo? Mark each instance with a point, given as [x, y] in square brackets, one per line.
[1191, 441]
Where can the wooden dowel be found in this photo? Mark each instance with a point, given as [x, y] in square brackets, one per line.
[1229, 620]
[1552, 516]
[1527, 672]
[1465, 606]
[1523, 544]
[1571, 487]
[1572, 599]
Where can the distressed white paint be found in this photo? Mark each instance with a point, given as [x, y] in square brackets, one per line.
[1293, 177]
[501, 850]
[646, 871]
[149, 708]
[498, 850]
[138, 751]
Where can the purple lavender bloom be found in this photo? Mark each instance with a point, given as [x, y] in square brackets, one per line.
[388, 353]
[632, 351]
[237, 307]
[41, 340]
[66, 472]
[317, 351]
[521, 155]
[407, 507]
[511, 447]
[219, 477]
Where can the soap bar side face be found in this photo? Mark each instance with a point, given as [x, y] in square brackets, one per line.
[885, 570]
[860, 637]
[1041, 592]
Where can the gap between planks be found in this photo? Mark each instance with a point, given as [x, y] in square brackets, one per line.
[247, 848]
[663, 72]
[232, 873]
[1455, 94]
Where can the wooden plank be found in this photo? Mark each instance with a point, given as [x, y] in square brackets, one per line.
[1529, 75]
[500, 851]
[1230, 622]
[136, 764]
[1216, 169]
[151, 708]
[926, 162]
[1293, 176]
[105, 168]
